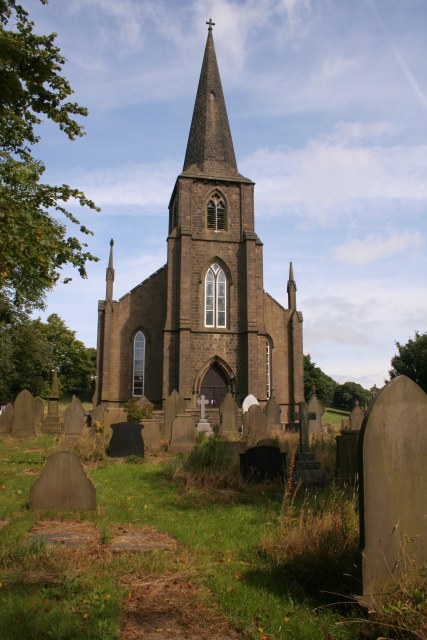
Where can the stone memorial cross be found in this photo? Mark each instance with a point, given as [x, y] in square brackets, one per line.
[203, 403]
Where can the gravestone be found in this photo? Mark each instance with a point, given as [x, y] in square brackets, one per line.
[316, 409]
[249, 401]
[152, 436]
[38, 412]
[254, 424]
[52, 423]
[203, 425]
[356, 418]
[183, 434]
[63, 485]
[172, 406]
[23, 421]
[6, 419]
[347, 459]
[306, 469]
[74, 418]
[393, 481]
[228, 412]
[126, 440]
[262, 463]
[97, 414]
[272, 411]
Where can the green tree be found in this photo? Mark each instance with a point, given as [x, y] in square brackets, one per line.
[34, 243]
[411, 360]
[315, 379]
[74, 361]
[346, 394]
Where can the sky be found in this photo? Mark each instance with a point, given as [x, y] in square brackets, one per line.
[327, 102]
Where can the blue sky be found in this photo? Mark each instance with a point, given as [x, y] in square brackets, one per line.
[327, 102]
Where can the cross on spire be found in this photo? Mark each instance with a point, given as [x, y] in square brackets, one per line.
[211, 24]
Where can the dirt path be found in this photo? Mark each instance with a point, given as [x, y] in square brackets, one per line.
[166, 607]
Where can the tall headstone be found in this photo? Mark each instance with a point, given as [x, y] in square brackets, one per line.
[254, 424]
[6, 419]
[272, 412]
[172, 406]
[203, 425]
[393, 481]
[228, 412]
[38, 413]
[74, 418]
[23, 421]
[356, 417]
[51, 423]
[63, 485]
[316, 409]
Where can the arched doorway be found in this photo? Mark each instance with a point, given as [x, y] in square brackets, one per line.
[215, 385]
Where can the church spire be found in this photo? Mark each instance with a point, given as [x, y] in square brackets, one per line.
[210, 146]
[110, 274]
[292, 289]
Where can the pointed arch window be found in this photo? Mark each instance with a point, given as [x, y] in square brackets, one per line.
[138, 364]
[215, 297]
[268, 367]
[216, 214]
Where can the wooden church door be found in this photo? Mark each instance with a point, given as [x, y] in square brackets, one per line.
[215, 385]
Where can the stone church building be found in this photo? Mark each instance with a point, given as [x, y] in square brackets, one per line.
[203, 322]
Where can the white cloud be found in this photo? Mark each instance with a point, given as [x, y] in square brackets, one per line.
[336, 66]
[374, 248]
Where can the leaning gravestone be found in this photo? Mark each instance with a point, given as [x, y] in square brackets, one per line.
[356, 418]
[6, 419]
[393, 481]
[262, 463]
[172, 406]
[23, 422]
[63, 485]
[74, 418]
[254, 423]
[228, 412]
[126, 440]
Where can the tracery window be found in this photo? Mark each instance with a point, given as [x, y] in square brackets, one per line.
[215, 297]
[216, 214]
[138, 364]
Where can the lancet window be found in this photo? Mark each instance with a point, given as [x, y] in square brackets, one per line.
[216, 214]
[215, 297]
[138, 364]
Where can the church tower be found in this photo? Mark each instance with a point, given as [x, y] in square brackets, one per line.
[203, 323]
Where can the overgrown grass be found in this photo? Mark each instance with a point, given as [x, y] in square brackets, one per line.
[263, 575]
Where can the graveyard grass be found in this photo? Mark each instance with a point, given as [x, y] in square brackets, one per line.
[229, 550]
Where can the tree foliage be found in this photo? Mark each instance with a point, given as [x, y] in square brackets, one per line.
[346, 394]
[31, 348]
[315, 380]
[411, 360]
[34, 243]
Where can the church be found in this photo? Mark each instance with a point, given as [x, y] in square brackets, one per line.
[202, 323]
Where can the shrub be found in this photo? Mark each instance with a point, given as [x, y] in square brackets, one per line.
[135, 413]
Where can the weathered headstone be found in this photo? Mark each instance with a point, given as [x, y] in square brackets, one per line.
[23, 421]
[63, 485]
[172, 406]
[347, 461]
[152, 436]
[306, 469]
[97, 414]
[38, 412]
[272, 411]
[126, 440]
[316, 409]
[356, 418]
[263, 463]
[74, 418]
[254, 424]
[52, 423]
[248, 402]
[228, 412]
[183, 433]
[6, 419]
[393, 481]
